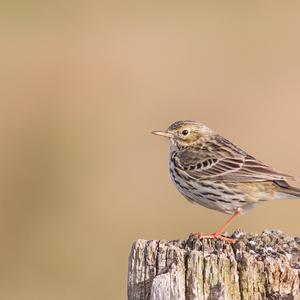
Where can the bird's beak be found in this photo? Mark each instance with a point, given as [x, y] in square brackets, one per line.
[163, 133]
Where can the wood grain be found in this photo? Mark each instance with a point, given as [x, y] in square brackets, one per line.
[257, 266]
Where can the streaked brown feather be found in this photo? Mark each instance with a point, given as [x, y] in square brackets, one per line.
[220, 159]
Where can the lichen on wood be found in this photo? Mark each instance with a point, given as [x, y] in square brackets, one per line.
[257, 266]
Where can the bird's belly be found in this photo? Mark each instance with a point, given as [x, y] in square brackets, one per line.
[211, 194]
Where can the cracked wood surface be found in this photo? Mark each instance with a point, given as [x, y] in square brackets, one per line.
[257, 266]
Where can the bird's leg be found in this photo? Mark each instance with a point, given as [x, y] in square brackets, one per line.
[231, 219]
[218, 233]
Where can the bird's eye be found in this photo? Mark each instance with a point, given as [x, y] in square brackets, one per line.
[185, 132]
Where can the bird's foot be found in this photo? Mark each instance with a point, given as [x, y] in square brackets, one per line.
[215, 235]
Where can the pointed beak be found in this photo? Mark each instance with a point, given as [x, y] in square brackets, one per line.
[163, 133]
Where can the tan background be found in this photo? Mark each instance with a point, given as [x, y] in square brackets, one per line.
[82, 85]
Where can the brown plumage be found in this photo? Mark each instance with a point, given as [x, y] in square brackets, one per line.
[211, 171]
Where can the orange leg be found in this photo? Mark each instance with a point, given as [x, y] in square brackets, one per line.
[218, 233]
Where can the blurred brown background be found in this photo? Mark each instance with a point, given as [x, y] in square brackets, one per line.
[82, 85]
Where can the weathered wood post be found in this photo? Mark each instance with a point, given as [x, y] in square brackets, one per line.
[257, 266]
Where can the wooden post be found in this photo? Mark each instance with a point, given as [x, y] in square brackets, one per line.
[257, 266]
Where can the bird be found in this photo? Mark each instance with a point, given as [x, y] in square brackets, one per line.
[209, 170]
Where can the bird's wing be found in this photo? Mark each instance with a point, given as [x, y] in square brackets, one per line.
[219, 165]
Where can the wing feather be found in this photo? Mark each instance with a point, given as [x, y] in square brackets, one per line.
[231, 165]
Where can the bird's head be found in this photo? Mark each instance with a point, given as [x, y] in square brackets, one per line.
[186, 133]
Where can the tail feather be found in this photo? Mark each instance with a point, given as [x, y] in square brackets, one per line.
[284, 187]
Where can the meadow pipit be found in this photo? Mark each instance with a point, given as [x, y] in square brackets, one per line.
[209, 170]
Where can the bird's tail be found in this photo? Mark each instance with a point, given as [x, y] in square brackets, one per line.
[285, 188]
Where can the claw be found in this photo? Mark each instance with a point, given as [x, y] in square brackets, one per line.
[216, 235]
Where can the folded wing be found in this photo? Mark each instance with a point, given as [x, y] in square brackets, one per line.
[236, 167]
